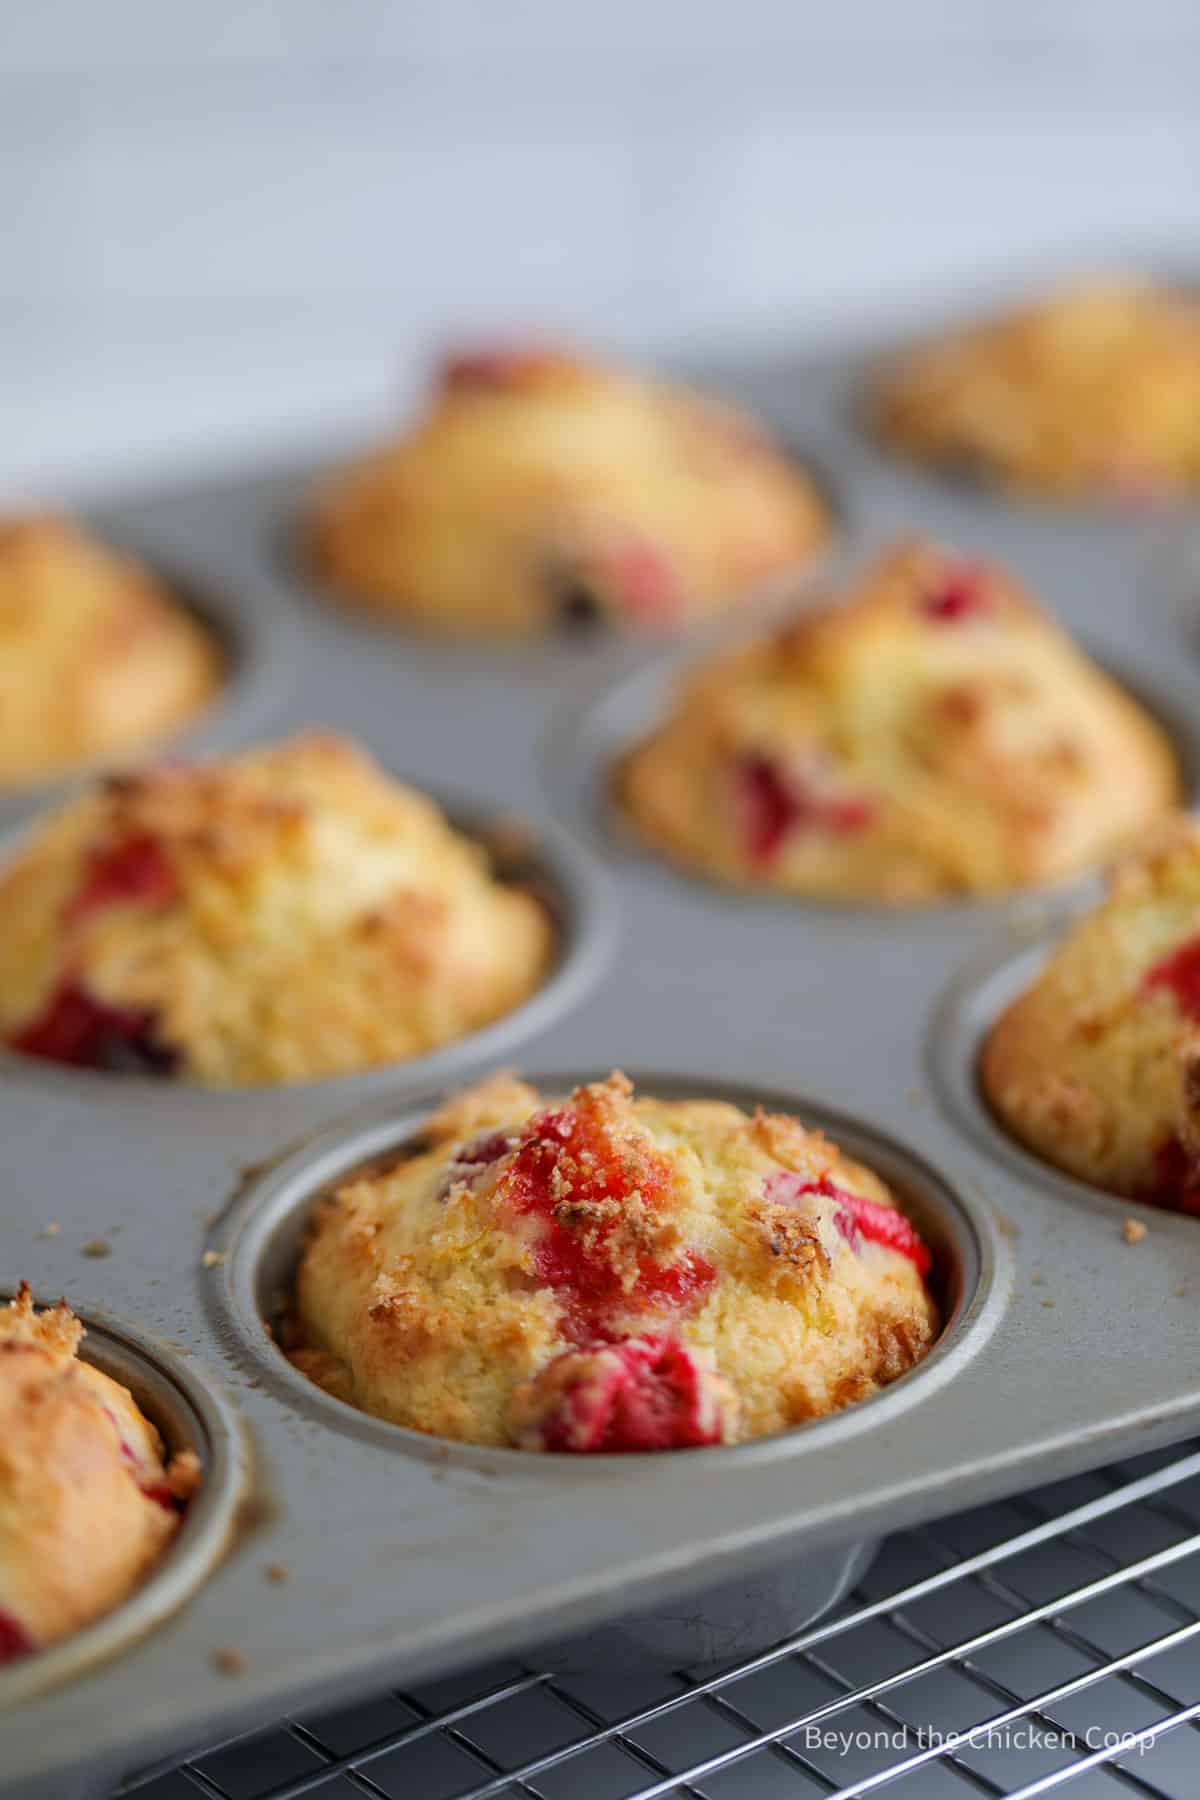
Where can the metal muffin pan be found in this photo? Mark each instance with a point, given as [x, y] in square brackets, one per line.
[260, 1242]
[408, 1556]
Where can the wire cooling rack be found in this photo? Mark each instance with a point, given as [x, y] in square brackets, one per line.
[1049, 1642]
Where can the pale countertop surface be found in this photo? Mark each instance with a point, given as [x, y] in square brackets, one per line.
[111, 406]
[100, 412]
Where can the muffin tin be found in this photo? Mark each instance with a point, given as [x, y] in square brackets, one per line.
[356, 1553]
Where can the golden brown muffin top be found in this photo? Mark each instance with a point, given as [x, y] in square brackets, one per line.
[540, 491]
[96, 656]
[281, 914]
[1096, 1066]
[609, 1272]
[932, 732]
[1091, 391]
[87, 1500]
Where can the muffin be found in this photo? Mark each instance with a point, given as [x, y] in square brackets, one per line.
[605, 1273]
[96, 656]
[280, 915]
[88, 1501]
[933, 734]
[1096, 1067]
[1091, 392]
[540, 491]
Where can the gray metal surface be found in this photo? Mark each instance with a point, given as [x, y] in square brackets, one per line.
[1051, 1642]
[407, 1557]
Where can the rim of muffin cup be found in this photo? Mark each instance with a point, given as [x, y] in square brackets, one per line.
[256, 636]
[578, 897]
[588, 738]
[260, 1237]
[962, 1019]
[190, 1413]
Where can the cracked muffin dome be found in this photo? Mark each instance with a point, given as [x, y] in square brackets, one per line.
[933, 734]
[1096, 1067]
[88, 1500]
[540, 491]
[280, 915]
[96, 657]
[609, 1273]
[1092, 392]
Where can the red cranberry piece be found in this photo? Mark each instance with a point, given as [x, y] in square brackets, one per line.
[630, 577]
[768, 807]
[776, 802]
[160, 1492]
[856, 1217]
[471, 1159]
[640, 1394]
[127, 1451]
[962, 594]
[572, 1154]
[642, 578]
[881, 1224]
[134, 871]
[844, 817]
[785, 1188]
[494, 370]
[77, 1028]
[1176, 1182]
[489, 1147]
[1180, 974]
[15, 1641]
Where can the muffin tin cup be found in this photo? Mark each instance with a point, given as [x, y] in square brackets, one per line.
[1081, 511]
[190, 1413]
[600, 723]
[581, 904]
[962, 1019]
[399, 1556]
[253, 626]
[260, 1242]
[259, 1239]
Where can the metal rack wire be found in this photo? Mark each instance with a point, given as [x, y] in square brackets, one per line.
[1051, 1641]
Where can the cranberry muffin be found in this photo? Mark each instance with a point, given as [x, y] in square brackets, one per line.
[280, 915]
[931, 734]
[88, 1500]
[96, 656]
[1091, 392]
[609, 1273]
[540, 491]
[1096, 1067]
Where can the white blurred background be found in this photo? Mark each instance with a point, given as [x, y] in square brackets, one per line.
[228, 227]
